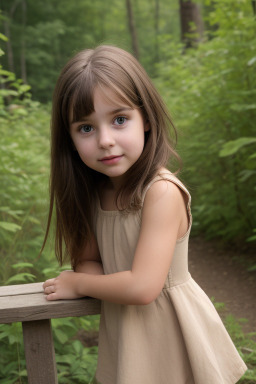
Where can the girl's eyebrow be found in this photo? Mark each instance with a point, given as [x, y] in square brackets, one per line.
[118, 110]
[112, 112]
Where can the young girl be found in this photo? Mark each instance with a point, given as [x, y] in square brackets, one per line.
[125, 222]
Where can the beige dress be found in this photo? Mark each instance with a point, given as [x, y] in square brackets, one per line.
[177, 339]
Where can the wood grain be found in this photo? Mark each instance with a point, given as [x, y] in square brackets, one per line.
[39, 352]
[20, 289]
[27, 302]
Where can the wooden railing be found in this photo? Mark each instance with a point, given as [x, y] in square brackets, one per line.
[27, 304]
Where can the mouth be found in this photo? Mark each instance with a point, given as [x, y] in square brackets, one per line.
[111, 159]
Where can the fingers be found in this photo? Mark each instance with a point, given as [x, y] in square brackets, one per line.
[52, 296]
[49, 287]
[49, 282]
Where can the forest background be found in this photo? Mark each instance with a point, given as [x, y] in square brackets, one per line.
[201, 56]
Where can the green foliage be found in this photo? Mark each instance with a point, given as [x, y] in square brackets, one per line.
[231, 147]
[211, 92]
[11, 89]
[55, 30]
[245, 345]
[12, 360]
[75, 363]
[23, 172]
[73, 359]
[244, 342]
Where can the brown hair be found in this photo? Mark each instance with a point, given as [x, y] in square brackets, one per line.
[72, 184]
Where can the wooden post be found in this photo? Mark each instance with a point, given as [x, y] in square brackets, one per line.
[39, 352]
[26, 303]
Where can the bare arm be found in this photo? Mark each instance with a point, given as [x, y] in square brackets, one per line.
[164, 219]
[90, 267]
[90, 261]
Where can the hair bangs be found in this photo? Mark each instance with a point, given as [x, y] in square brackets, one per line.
[81, 102]
[112, 77]
[115, 95]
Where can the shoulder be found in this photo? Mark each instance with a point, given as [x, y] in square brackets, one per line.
[164, 186]
[163, 189]
[164, 214]
[164, 195]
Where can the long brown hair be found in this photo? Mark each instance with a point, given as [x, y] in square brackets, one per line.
[72, 184]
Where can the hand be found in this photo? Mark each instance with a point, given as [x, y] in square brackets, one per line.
[62, 287]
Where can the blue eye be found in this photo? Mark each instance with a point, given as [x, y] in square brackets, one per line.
[120, 120]
[85, 128]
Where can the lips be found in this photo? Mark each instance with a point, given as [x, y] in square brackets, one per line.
[109, 160]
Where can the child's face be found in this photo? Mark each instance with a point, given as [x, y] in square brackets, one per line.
[111, 139]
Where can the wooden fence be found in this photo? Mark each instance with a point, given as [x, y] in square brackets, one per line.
[27, 304]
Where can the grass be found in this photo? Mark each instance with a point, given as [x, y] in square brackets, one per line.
[244, 342]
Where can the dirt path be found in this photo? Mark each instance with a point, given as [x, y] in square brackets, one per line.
[222, 276]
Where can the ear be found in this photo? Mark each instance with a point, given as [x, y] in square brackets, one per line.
[146, 126]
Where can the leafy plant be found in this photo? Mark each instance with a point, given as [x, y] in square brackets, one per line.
[210, 91]
[246, 347]
[74, 362]
[244, 342]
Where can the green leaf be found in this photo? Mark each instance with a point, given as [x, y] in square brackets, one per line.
[65, 359]
[3, 335]
[22, 265]
[251, 238]
[61, 336]
[246, 174]
[252, 61]
[242, 107]
[231, 147]
[78, 347]
[20, 278]
[253, 267]
[24, 88]
[3, 37]
[11, 227]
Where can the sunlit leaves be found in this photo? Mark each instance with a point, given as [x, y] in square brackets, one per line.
[231, 147]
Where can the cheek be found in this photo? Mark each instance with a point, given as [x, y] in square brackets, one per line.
[135, 145]
[85, 152]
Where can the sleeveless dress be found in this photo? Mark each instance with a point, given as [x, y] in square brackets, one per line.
[177, 339]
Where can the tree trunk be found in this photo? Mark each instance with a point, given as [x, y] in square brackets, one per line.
[156, 30]
[132, 29]
[254, 6]
[191, 23]
[7, 33]
[23, 44]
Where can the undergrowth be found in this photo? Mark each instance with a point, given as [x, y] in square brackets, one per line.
[244, 342]
[75, 363]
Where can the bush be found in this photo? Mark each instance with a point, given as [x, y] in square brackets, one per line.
[211, 92]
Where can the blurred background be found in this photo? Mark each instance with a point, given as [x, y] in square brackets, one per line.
[201, 55]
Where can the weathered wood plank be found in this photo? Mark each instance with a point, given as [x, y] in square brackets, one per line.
[39, 352]
[29, 307]
[20, 289]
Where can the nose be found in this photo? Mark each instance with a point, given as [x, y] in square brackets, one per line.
[105, 137]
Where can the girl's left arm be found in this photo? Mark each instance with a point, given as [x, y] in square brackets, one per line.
[164, 220]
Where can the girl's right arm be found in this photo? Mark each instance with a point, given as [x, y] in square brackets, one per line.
[90, 261]
[164, 220]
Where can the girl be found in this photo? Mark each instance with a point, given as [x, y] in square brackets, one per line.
[125, 222]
